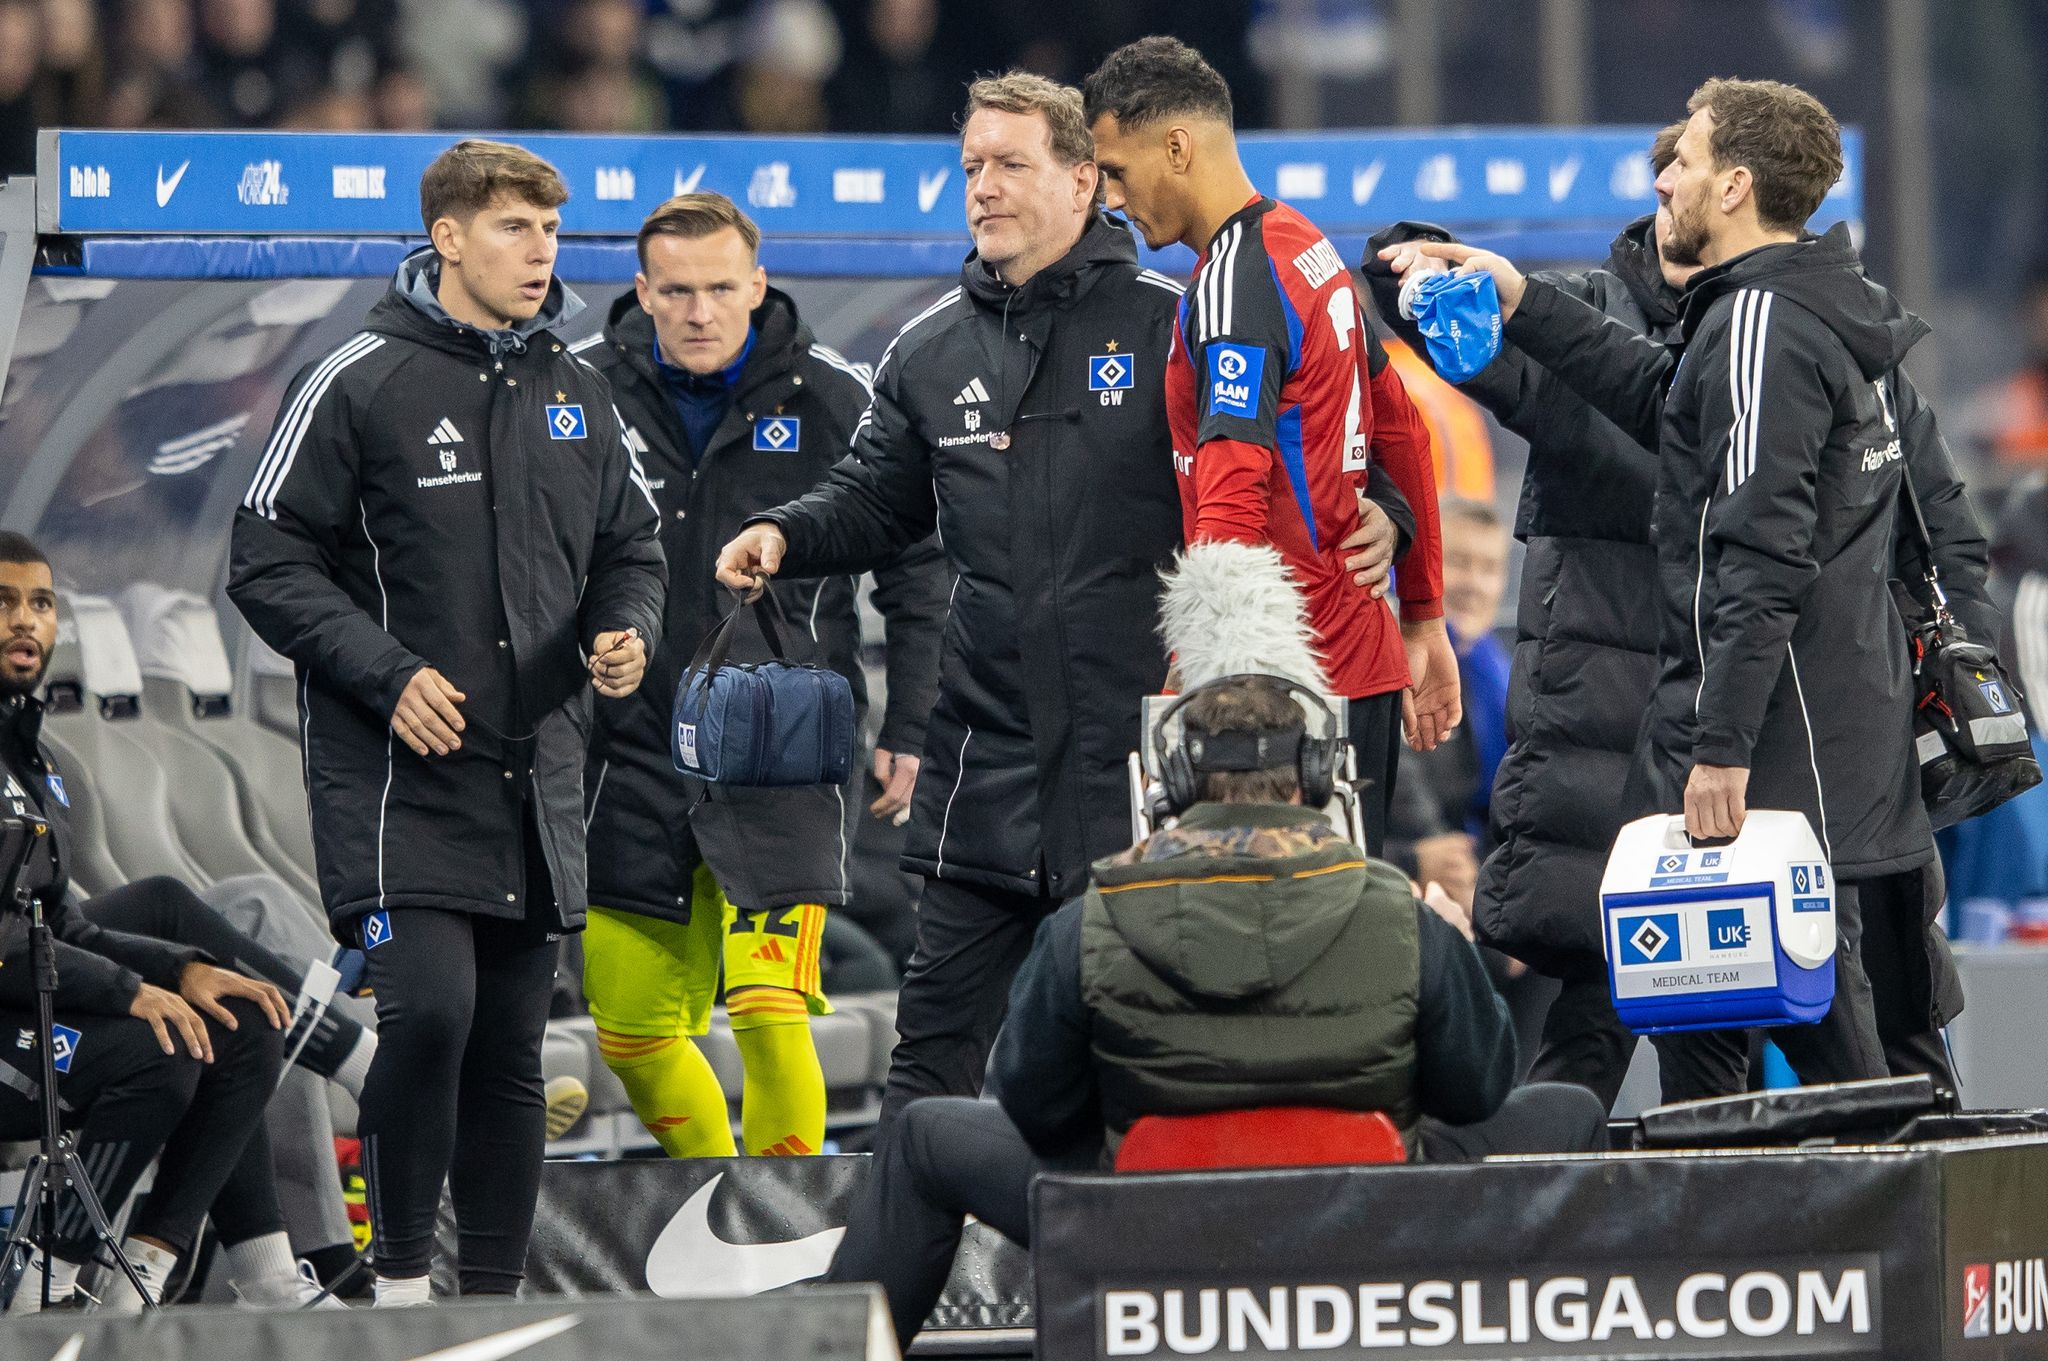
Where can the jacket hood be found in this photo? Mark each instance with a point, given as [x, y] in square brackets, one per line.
[411, 309]
[780, 336]
[1824, 275]
[1633, 259]
[1106, 242]
[1211, 908]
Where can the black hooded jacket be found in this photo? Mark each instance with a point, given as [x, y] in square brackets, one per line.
[98, 971]
[1056, 503]
[792, 415]
[434, 495]
[1586, 631]
[1781, 454]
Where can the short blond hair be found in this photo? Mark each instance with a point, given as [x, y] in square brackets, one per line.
[693, 217]
[1027, 93]
[464, 179]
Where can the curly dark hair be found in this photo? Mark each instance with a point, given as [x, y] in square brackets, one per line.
[1155, 78]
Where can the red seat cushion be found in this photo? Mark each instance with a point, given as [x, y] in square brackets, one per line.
[1267, 1136]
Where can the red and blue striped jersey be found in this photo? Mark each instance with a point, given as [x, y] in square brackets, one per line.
[1279, 399]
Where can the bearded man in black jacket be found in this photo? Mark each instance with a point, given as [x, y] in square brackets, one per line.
[1585, 667]
[1783, 437]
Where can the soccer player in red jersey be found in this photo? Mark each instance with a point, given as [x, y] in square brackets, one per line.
[1280, 397]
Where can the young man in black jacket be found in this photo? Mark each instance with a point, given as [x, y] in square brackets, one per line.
[158, 1051]
[445, 523]
[1247, 957]
[1783, 676]
[733, 406]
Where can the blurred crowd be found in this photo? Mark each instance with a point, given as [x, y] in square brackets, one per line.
[788, 66]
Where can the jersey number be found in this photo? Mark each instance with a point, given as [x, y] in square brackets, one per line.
[775, 921]
[1344, 317]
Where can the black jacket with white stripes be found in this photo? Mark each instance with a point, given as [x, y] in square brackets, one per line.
[998, 418]
[1778, 485]
[436, 495]
[792, 416]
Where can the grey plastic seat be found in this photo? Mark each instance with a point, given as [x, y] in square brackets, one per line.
[131, 788]
[92, 866]
[260, 737]
[186, 683]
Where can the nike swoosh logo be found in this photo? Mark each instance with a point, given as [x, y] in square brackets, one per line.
[70, 1350]
[1365, 180]
[928, 187]
[689, 1258]
[167, 187]
[504, 1344]
[688, 186]
[1562, 178]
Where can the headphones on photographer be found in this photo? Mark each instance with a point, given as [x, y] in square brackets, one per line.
[1314, 758]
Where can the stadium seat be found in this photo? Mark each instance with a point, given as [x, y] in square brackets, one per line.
[186, 688]
[127, 783]
[1265, 1136]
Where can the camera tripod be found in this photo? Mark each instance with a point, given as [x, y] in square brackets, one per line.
[56, 1165]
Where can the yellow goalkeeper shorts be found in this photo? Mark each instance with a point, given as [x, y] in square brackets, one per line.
[646, 976]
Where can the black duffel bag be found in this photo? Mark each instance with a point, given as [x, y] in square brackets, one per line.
[771, 724]
[1969, 719]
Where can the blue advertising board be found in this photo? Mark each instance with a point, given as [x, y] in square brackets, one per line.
[346, 184]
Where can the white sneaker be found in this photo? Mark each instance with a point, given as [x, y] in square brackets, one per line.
[300, 1290]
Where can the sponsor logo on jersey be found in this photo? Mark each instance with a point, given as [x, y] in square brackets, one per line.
[1235, 372]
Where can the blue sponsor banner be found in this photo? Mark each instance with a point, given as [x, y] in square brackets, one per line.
[335, 184]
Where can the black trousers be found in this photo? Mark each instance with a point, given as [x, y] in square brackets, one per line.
[1376, 738]
[970, 943]
[1878, 1025]
[167, 910]
[455, 1091]
[130, 1102]
[950, 1158]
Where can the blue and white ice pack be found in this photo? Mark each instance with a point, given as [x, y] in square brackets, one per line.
[1459, 317]
[1713, 938]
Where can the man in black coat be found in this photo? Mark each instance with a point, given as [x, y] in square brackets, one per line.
[445, 523]
[1022, 414]
[733, 406]
[1775, 531]
[160, 1054]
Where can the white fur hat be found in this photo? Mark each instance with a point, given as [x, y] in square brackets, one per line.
[1233, 609]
